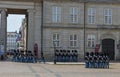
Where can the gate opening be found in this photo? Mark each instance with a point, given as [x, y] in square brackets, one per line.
[16, 30]
[108, 47]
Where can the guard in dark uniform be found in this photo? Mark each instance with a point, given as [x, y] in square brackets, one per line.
[58, 56]
[107, 61]
[72, 56]
[61, 55]
[64, 55]
[67, 56]
[100, 60]
[104, 61]
[26, 58]
[87, 60]
[76, 55]
[95, 60]
[90, 60]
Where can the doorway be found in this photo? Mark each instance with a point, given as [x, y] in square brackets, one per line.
[17, 28]
[108, 47]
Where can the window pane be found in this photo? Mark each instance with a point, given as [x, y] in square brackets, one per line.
[89, 44]
[57, 43]
[71, 43]
[71, 37]
[57, 36]
[75, 37]
[54, 36]
[93, 44]
[75, 43]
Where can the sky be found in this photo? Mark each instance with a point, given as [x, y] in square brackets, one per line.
[14, 22]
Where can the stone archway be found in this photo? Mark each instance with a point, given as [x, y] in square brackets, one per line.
[108, 47]
[32, 10]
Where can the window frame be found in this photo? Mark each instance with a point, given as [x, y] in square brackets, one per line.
[91, 41]
[73, 41]
[108, 16]
[56, 14]
[74, 14]
[91, 15]
[56, 41]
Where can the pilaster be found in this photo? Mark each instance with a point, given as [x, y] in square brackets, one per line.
[3, 30]
[31, 29]
[38, 26]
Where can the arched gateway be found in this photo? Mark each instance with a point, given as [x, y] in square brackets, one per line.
[32, 10]
[108, 47]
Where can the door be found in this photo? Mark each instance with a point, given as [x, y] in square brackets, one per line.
[108, 47]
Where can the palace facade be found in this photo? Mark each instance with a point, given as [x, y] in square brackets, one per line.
[82, 25]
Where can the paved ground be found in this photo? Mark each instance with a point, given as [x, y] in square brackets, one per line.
[12, 69]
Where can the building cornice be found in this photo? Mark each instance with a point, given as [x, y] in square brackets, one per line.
[19, 0]
[83, 1]
[102, 1]
[20, 5]
[63, 27]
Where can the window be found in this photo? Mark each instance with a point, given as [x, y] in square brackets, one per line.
[108, 16]
[56, 39]
[74, 14]
[91, 41]
[12, 36]
[73, 40]
[0, 20]
[91, 15]
[56, 17]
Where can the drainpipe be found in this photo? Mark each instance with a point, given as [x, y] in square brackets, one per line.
[84, 28]
[26, 31]
[41, 28]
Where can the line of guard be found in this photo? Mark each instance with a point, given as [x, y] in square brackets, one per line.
[96, 60]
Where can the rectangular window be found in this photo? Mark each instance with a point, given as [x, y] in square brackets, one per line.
[74, 15]
[108, 16]
[56, 14]
[91, 15]
[0, 20]
[91, 41]
[56, 40]
[73, 40]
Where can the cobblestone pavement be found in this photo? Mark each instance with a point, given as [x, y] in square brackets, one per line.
[13, 69]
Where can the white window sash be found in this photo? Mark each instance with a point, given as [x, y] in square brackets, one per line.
[91, 41]
[108, 16]
[56, 14]
[73, 41]
[56, 40]
[74, 14]
[91, 15]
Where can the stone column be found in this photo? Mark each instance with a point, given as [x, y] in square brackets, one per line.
[34, 28]
[30, 31]
[37, 33]
[3, 30]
